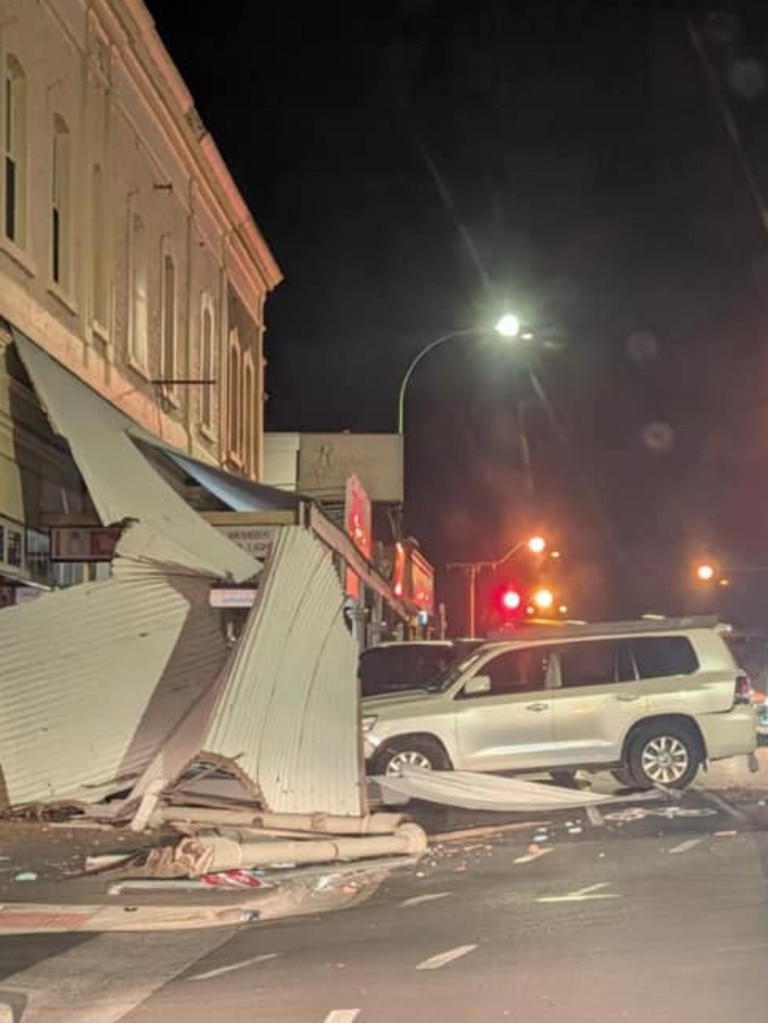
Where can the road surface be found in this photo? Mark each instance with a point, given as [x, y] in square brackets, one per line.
[630, 919]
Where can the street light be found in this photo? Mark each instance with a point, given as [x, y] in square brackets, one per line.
[705, 572]
[535, 544]
[508, 326]
[544, 599]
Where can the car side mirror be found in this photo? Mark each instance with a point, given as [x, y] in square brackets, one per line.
[477, 686]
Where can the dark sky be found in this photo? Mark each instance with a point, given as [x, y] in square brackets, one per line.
[423, 165]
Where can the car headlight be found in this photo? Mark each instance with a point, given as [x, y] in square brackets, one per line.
[368, 723]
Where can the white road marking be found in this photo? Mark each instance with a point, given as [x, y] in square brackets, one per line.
[443, 958]
[103, 979]
[685, 846]
[418, 899]
[582, 894]
[529, 857]
[342, 1016]
[233, 966]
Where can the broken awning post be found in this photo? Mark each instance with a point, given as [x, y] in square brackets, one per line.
[96, 677]
[120, 479]
[474, 791]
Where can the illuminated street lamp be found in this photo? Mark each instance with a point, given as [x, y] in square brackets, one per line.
[544, 599]
[537, 544]
[508, 327]
[705, 572]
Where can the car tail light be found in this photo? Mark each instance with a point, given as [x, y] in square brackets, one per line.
[744, 691]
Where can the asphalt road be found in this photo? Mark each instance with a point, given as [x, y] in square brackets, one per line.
[657, 917]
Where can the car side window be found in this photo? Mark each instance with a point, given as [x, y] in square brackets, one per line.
[516, 671]
[595, 663]
[664, 656]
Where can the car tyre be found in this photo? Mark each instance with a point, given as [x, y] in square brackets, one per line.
[420, 751]
[624, 778]
[663, 754]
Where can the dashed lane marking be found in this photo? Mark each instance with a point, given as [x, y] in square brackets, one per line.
[342, 1016]
[233, 966]
[530, 857]
[682, 847]
[418, 899]
[443, 958]
[582, 894]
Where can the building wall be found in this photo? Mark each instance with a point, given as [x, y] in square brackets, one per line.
[126, 250]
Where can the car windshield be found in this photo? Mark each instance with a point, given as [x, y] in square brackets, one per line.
[446, 678]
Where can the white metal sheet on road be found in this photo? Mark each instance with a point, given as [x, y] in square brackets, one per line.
[342, 1016]
[443, 958]
[104, 979]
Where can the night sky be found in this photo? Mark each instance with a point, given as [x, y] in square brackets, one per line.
[424, 165]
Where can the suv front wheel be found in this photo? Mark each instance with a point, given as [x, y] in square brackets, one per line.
[663, 754]
[417, 751]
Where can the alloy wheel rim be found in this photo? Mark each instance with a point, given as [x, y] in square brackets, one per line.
[408, 758]
[665, 759]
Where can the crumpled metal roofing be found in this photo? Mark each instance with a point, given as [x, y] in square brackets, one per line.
[288, 713]
[121, 481]
[96, 677]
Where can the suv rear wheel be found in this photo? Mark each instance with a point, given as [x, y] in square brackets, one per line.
[420, 751]
[664, 754]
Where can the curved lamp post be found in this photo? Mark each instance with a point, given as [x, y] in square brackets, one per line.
[508, 327]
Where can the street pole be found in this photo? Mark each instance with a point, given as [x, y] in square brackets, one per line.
[473, 570]
[414, 363]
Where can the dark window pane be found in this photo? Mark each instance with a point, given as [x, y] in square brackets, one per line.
[10, 199]
[15, 548]
[589, 663]
[663, 656]
[56, 241]
[517, 670]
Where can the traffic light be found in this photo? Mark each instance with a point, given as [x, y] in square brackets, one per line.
[508, 600]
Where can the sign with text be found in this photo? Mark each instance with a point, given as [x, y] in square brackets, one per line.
[255, 540]
[327, 460]
[358, 526]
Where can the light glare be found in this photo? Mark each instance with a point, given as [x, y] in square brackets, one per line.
[508, 325]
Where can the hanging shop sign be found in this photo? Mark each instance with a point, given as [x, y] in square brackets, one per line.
[358, 526]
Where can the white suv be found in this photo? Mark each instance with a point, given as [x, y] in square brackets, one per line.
[650, 700]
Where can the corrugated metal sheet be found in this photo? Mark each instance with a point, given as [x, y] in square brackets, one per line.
[289, 712]
[120, 480]
[95, 678]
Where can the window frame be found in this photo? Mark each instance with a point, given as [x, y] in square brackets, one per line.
[138, 273]
[60, 225]
[234, 398]
[169, 319]
[15, 148]
[208, 353]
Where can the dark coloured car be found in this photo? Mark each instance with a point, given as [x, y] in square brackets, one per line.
[413, 664]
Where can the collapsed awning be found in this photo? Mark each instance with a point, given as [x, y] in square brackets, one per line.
[284, 715]
[121, 481]
[243, 495]
[96, 677]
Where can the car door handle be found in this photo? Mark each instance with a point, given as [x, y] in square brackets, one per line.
[536, 706]
[628, 697]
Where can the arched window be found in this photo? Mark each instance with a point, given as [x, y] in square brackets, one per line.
[233, 395]
[249, 419]
[61, 178]
[168, 310]
[100, 281]
[138, 336]
[15, 144]
[207, 361]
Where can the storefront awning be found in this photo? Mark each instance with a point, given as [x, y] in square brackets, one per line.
[120, 479]
[242, 495]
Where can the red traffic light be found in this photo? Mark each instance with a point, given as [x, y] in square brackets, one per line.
[510, 600]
